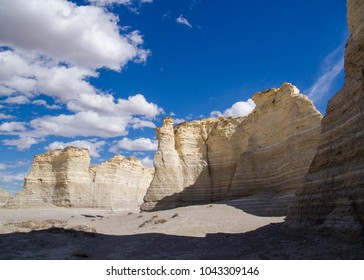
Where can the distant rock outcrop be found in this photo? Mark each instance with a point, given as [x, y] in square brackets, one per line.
[332, 198]
[259, 159]
[65, 178]
[4, 197]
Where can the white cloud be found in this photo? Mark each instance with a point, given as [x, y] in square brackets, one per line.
[183, 20]
[110, 2]
[85, 124]
[54, 49]
[147, 161]
[21, 143]
[178, 120]
[8, 177]
[19, 163]
[41, 102]
[3, 166]
[239, 109]
[331, 67]
[120, 2]
[86, 36]
[5, 116]
[16, 100]
[94, 146]
[140, 144]
[139, 124]
[12, 126]
[137, 105]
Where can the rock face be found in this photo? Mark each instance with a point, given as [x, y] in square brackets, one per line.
[4, 197]
[332, 198]
[259, 159]
[65, 178]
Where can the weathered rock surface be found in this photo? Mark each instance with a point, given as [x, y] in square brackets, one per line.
[4, 197]
[261, 157]
[65, 178]
[332, 198]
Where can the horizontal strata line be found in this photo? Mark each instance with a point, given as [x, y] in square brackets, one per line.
[320, 177]
[341, 126]
[316, 197]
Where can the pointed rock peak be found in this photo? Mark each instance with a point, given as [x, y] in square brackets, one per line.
[116, 158]
[168, 121]
[288, 88]
[134, 160]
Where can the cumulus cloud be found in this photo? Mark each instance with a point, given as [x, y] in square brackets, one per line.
[16, 100]
[86, 36]
[5, 116]
[12, 126]
[182, 20]
[22, 143]
[41, 102]
[139, 144]
[54, 49]
[93, 145]
[331, 67]
[239, 109]
[147, 161]
[85, 124]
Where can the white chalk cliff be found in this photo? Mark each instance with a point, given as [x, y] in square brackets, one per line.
[65, 178]
[259, 159]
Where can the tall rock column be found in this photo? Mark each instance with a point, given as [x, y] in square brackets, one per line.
[332, 198]
[168, 178]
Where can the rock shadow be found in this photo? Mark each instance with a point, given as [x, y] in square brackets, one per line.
[268, 242]
[261, 204]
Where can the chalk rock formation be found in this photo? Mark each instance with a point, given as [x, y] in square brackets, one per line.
[262, 156]
[4, 197]
[65, 178]
[332, 198]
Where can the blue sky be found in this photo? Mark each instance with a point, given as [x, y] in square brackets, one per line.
[103, 73]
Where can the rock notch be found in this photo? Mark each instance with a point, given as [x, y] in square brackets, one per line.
[332, 198]
[259, 159]
[64, 178]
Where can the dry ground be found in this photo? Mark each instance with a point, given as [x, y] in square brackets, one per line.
[213, 231]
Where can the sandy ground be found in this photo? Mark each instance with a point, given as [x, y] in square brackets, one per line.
[213, 231]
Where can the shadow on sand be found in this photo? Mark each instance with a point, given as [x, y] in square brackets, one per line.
[268, 242]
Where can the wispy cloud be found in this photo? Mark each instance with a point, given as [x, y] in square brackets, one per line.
[194, 4]
[331, 68]
[182, 20]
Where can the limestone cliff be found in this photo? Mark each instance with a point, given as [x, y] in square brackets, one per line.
[332, 198]
[65, 178]
[4, 197]
[263, 156]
